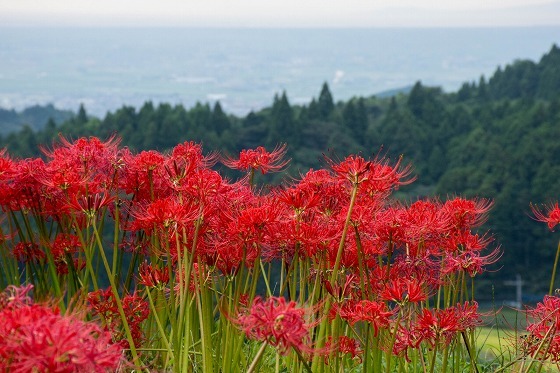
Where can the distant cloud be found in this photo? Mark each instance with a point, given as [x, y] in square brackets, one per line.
[280, 13]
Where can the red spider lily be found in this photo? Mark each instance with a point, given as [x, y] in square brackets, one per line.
[405, 338]
[403, 290]
[384, 177]
[375, 313]
[90, 204]
[187, 157]
[467, 214]
[63, 249]
[440, 326]
[135, 308]
[376, 175]
[470, 262]
[544, 328]
[277, 322]
[28, 252]
[7, 171]
[259, 160]
[342, 292]
[202, 186]
[299, 199]
[25, 192]
[36, 338]
[424, 224]
[354, 169]
[87, 153]
[165, 214]
[15, 296]
[551, 217]
[144, 175]
[151, 276]
[465, 241]
[342, 346]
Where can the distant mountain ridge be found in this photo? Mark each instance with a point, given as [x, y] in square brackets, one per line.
[36, 117]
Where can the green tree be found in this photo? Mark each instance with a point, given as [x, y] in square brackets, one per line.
[325, 104]
[219, 120]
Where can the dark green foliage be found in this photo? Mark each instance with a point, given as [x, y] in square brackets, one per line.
[325, 105]
[498, 139]
[35, 117]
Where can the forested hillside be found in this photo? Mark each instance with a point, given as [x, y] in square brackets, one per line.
[496, 137]
[34, 117]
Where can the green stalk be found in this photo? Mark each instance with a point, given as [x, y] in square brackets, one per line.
[334, 277]
[393, 339]
[158, 323]
[551, 288]
[353, 198]
[205, 317]
[117, 297]
[257, 358]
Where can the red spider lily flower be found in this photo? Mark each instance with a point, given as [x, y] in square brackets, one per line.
[188, 157]
[87, 153]
[465, 241]
[551, 217]
[144, 175]
[349, 346]
[63, 249]
[299, 199]
[136, 310]
[151, 276]
[277, 322]
[36, 338]
[354, 169]
[202, 185]
[340, 293]
[342, 346]
[405, 338]
[544, 328]
[163, 214]
[28, 252]
[403, 290]
[440, 326]
[15, 296]
[424, 224]
[259, 160]
[375, 313]
[26, 190]
[470, 262]
[7, 171]
[376, 175]
[90, 204]
[384, 177]
[467, 214]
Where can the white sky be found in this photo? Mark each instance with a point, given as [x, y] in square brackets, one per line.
[280, 13]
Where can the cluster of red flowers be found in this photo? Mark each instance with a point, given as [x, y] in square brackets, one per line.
[543, 340]
[387, 255]
[136, 310]
[37, 338]
[276, 321]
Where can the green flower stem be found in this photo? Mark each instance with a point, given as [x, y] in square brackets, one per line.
[336, 267]
[551, 288]
[257, 358]
[205, 318]
[322, 334]
[117, 298]
[161, 331]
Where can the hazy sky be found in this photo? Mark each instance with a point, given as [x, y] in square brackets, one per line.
[280, 13]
